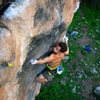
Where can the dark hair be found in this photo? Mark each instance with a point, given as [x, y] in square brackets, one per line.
[63, 46]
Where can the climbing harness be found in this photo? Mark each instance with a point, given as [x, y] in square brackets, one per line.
[51, 67]
[58, 68]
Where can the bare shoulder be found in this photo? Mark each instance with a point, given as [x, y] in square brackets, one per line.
[52, 56]
[57, 56]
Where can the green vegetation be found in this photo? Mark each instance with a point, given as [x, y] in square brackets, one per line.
[82, 67]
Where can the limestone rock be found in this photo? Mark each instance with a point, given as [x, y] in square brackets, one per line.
[27, 29]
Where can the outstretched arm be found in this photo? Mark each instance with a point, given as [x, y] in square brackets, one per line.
[67, 52]
[66, 41]
[42, 61]
[45, 60]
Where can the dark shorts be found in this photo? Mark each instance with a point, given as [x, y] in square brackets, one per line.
[47, 73]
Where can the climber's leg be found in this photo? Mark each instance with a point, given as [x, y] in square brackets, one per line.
[46, 75]
[41, 79]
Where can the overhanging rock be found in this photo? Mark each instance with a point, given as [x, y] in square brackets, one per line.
[27, 29]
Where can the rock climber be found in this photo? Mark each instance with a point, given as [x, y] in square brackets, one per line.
[52, 62]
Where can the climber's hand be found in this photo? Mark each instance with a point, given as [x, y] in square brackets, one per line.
[65, 39]
[33, 62]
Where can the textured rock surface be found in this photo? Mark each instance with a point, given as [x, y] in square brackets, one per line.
[27, 29]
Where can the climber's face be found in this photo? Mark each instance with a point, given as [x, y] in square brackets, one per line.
[57, 49]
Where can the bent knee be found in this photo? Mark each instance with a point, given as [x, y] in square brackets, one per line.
[41, 79]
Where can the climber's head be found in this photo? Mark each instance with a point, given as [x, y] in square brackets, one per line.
[60, 47]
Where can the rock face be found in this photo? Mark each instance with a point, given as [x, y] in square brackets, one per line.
[27, 29]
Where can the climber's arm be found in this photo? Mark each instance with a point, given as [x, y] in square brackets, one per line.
[42, 61]
[65, 39]
[45, 60]
[67, 52]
